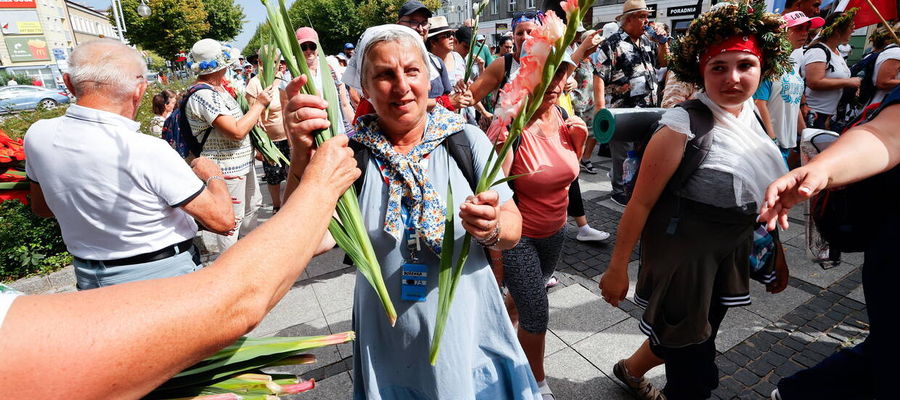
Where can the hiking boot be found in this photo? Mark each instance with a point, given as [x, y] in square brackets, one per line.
[588, 166]
[640, 387]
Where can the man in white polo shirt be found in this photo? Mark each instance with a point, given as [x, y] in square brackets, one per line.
[126, 202]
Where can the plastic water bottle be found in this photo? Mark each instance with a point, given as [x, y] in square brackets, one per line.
[629, 170]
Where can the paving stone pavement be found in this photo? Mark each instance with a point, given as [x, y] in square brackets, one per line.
[820, 312]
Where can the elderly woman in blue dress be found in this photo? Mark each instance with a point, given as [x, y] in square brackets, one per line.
[404, 186]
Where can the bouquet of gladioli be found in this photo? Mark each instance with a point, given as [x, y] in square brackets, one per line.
[235, 371]
[518, 102]
[347, 229]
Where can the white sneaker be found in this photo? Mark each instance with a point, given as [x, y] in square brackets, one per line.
[588, 234]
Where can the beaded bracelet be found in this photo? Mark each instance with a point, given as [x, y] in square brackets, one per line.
[491, 240]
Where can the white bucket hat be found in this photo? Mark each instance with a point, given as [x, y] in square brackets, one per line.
[208, 56]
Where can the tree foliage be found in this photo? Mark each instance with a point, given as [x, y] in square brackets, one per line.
[338, 21]
[175, 25]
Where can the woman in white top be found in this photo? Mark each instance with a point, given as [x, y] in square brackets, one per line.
[887, 66]
[163, 104]
[827, 75]
[441, 42]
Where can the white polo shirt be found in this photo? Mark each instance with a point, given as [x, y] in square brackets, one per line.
[7, 295]
[115, 192]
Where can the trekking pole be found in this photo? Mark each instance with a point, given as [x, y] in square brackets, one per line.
[886, 25]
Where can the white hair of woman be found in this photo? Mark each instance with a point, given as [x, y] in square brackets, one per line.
[353, 76]
[108, 65]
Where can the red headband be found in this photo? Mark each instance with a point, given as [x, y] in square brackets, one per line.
[748, 44]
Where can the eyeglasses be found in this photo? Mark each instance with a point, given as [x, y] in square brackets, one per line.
[444, 35]
[308, 46]
[414, 24]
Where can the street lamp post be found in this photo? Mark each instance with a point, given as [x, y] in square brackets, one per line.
[143, 10]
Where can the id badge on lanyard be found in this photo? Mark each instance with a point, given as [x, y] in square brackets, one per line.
[414, 276]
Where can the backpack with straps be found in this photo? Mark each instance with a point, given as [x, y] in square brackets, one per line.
[865, 70]
[847, 217]
[177, 129]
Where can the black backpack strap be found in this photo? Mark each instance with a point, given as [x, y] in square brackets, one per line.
[361, 154]
[823, 47]
[184, 125]
[460, 150]
[507, 70]
[697, 149]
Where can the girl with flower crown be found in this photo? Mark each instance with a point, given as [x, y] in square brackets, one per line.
[696, 238]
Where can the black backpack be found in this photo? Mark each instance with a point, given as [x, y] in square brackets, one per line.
[865, 70]
[847, 217]
[177, 129]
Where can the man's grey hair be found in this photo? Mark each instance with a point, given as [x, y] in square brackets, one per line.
[106, 65]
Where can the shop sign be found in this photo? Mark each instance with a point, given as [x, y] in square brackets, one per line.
[27, 48]
[17, 4]
[681, 11]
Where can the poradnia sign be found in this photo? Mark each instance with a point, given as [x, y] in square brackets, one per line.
[680, 11]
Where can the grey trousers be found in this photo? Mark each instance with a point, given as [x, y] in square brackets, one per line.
[619, 152]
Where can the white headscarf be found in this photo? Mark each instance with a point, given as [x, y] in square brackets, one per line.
[353, 74]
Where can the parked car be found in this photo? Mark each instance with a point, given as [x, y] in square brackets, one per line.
[23, 97]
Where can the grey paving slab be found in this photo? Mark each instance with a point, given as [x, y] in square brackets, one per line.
[341, 321]
[326, 263]
[739, 324]
[570, 376]
[774, 306]
[299, 305]
[604, 349]
[325, 356]
[335, 290]
[804, 269]
[336, 387]
[857, 294]
[576, 313]
[553, 343]
[594, 186]
[612, 206]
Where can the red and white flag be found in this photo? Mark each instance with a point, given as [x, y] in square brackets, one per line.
[866, 16]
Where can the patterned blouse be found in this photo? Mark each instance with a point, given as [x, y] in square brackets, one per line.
[628, 70]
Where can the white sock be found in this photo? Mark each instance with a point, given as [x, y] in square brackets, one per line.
[585, 229]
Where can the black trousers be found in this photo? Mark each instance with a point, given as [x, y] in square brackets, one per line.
[576, 204]
[691, 371]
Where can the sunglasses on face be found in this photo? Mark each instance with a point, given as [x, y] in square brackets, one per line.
[444, 35]
[308, 46]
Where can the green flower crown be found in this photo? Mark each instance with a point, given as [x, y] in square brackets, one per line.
[882, 36]
[841, 23]
[723, 22]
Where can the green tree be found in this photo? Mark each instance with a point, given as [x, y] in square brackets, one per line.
[225, 18]
[260, 37]
[336, 21]
[175, 25]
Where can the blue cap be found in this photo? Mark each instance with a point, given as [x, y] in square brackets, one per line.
[349, 46]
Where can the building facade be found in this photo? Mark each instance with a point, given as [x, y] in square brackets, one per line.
[37, 36]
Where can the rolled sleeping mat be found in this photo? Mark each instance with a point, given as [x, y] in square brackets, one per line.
[625, 124]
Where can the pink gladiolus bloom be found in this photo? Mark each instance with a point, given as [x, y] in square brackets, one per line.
[569, 7]
[553, 28]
